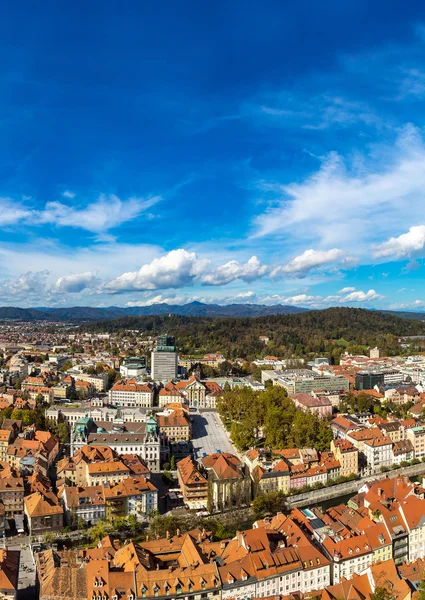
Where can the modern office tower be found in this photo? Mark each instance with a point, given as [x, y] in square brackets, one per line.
[164, 359]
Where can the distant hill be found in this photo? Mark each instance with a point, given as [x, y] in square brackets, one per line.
[405, 314]
[300, 335]
[193, 309]
[87, 313]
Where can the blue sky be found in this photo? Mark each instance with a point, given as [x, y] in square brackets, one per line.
[223, 152]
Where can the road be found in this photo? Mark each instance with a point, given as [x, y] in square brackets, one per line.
[209, 435]
[26, 584]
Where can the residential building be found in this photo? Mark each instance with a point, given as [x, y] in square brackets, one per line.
[87, 503]
[349, 556]
[5, 439]
[378, 453]
[193, 483]
[43, 513]
[416, 435]
[174, 424]
[133, 496]
[319, 405]
[273, 480]
[403, 451]
[11, 492]
[347, 455]
[9, 573]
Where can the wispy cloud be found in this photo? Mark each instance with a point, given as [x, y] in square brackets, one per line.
[105, 213]
[342, 204]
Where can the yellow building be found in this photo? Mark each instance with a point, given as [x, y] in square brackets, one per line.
[347, 455]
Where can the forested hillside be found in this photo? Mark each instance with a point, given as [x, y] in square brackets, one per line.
[328, 331]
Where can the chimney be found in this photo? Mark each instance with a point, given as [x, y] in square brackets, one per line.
[380, 491]
[167, 535]
[178, 532]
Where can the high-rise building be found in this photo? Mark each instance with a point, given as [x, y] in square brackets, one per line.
[164, 359]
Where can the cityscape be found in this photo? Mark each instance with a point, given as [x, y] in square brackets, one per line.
[212, 301]
[131, 469]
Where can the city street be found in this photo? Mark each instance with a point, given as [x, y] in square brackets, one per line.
[26, 585]
[209, 435]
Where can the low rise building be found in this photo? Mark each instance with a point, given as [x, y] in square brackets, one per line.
[378, 453]
[131, 394]
[43, 513]
[319, 405]
[416, 435]
[193, 483]
[347, 455]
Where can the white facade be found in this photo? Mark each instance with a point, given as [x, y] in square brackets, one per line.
[303, 580]
[346, 568]
[378, 456]
[131, 398]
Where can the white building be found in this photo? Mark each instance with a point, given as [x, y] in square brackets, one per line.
[378, 453]
[133, 367]
[126, 394]
[18, 364]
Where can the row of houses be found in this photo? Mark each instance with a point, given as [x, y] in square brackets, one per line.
[344, 552]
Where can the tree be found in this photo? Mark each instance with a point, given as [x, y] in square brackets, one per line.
[66, 365]
[173, 463]
[382, 593]
[49, 537]
[420, 593]
[267, 504]
[99, 531]
[62, 432]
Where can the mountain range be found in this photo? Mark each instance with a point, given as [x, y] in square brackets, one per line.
[193, 309]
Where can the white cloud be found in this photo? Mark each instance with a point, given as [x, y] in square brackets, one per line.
[321, 112]
[404, 245]
[348, 203]
[12, 212]
[160, 299]
[76, 283]
[105, 213]
[68, 194]
[311, 259]
[360, 296]
[347, 290]
[178, 268]
[302, 300]
[412, 83]
[233, 270]
[28, 286]
[416, 304]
